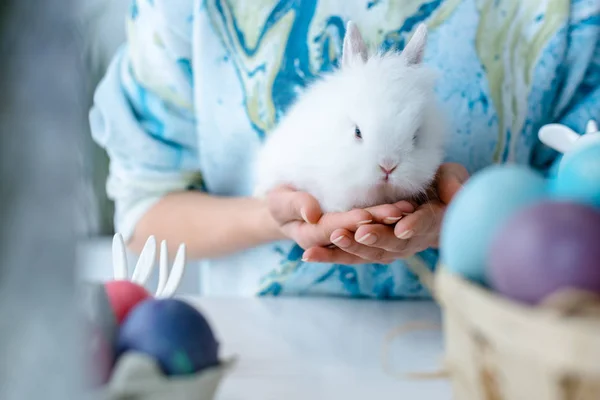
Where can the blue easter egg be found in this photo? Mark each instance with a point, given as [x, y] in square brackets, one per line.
[578, 178]
[488, 199]
[171, 331]
[553, 170]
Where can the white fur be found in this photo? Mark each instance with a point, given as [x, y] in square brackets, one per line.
[390, 97]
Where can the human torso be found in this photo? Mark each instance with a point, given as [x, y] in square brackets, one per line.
[497, 62]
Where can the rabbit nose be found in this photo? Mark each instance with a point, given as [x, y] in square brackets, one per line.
[387, 168]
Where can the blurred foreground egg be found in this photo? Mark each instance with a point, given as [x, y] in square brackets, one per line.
[479, 208]
[99, 355]
[578, 178]
[124, 296]
[172, 332]
[98, 310]
[546, 247]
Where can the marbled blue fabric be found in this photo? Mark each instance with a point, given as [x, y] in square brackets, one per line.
[199, 84]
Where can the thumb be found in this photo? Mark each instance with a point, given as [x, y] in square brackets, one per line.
[450, 179]
[287, 204]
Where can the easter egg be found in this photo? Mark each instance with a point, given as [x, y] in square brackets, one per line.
[99, 355]
[123, 296]
[546, 247]
[98, 310]
[478, 209]
[553, 170]
[578, 178]
[171, 331]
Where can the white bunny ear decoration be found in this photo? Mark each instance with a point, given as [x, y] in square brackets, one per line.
[168, 286]
[559, 137]
[145, 263]
[168, 281]
[592, 127]
[119, 258]
[563, 139]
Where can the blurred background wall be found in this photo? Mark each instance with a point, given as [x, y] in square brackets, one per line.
[101, 28]
[42, 183]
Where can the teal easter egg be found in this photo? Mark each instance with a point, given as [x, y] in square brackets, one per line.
[553, 170]
[486, 201]
[578, 178]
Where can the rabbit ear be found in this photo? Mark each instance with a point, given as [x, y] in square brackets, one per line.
[119, 258]
[415, 48]
[354, 48]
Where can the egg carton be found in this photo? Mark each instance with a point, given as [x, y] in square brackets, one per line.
[137, 375]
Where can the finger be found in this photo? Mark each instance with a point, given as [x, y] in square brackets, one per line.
[327, 255]
[381, 236]
[345, 241]
[421, 243]
[449, 180]
[286, 204]
[390, 213]
[319, 234]
[425, 221]
[350, 220]
[337, 256]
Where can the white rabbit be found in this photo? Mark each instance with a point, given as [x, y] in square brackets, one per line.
[365, 134]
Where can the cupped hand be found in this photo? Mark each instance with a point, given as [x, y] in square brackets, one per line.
[382, 242]
[300, 218]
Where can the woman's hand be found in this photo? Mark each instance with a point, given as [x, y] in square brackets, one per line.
[381, 242]
[299, 217]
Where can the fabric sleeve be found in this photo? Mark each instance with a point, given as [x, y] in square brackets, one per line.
[143, 112]
[579, 99]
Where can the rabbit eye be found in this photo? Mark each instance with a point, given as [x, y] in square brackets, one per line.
[416, 136]
[357, 133]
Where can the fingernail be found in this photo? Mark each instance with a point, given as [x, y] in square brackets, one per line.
[365, 222]
[368, 239]
[391, 220]
[305, 258]
[460, 178]
[406, 235]
[341, 241]
[303, 214]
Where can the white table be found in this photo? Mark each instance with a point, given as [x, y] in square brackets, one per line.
[317, 348]
[307, 348]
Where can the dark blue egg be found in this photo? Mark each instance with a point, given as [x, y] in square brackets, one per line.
[171, 331]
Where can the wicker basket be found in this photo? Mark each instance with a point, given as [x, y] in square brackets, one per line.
[497, 349]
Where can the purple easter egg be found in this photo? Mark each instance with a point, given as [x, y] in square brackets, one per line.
[545, 247]
[171, 331]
